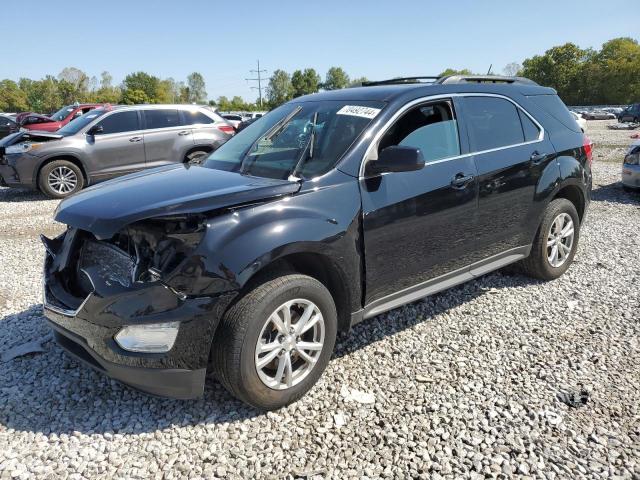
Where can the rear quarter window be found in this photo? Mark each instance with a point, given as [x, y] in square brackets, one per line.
[557, 109]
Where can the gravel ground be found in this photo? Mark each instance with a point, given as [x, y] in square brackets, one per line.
[610, 145]
[465, 384]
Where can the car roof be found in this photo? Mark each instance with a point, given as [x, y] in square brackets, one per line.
[158, 106]
[388, 93]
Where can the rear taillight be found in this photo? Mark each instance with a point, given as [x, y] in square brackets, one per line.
[588, 149]
[226, 129]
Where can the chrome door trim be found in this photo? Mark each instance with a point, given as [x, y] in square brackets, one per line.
[427, 99]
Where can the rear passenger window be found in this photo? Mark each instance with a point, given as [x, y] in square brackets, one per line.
[161, 118]
[196, 118]
[120, 122]
[493, 123]
[530, 129]
[432, 128]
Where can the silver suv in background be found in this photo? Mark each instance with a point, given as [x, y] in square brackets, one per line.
[108, 142]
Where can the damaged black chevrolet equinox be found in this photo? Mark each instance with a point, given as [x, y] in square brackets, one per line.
[331, 209]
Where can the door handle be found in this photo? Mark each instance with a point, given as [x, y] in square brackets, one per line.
[135, 139]
[183, 133]
[460, 180]
[537, 157]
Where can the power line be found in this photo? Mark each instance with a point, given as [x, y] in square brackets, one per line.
[259, 80]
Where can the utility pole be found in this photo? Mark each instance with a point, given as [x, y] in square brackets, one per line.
[259, 80]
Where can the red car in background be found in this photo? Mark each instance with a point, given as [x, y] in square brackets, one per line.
[37, 121]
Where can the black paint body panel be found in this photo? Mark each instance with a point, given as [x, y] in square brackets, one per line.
[386, 239]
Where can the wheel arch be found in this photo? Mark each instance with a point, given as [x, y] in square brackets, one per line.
[70, 158]
[572, 192]
[196, 148]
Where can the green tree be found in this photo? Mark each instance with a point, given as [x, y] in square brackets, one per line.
[142, 82]
[279, 89]
[42, 95]
[336, 79]
[614, 71]
[133, 96]
[561, 68]
[197, 88]
[224, 104]
[357, 82]
[12, 98]
[304, 83]
[453, 71]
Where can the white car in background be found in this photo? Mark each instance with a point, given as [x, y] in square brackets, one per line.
[580, 121]
[233, 119]
[251, 115]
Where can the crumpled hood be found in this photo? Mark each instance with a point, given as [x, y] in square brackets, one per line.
[22, 117]
[29, 135]
[108, 207]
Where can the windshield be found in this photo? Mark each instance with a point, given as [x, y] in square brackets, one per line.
[79, 123]
[305, 139]
[63, 113]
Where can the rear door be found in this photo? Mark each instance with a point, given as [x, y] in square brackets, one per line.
[166, 138]
[118, 148]
[419, 225]
[510, 152]
[203, 128]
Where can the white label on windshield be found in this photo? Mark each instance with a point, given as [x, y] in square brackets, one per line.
[92, 116]
[358, 111]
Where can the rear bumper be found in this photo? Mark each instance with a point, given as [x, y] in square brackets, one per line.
[631, 176]
[173, 383]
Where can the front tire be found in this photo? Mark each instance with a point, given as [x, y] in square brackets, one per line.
[274, 343]
[555, 243]
[60, 178]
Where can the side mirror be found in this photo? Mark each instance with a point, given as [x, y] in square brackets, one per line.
[396, 159]
[96, 130]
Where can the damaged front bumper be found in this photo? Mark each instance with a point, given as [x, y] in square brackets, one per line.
[88, 304]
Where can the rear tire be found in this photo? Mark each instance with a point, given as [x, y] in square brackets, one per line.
[247, 334]
[560, 223]
[196, 158]
[60, 178]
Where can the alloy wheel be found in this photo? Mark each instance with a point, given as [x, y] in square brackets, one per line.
[62, 180]
[560, 240]
[290, 344]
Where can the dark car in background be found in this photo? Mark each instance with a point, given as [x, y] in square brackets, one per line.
[37, 121]
[108, 142]
[331, 209]
[7, 125]
[630, 114]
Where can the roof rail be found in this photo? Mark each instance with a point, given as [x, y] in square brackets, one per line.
[401, 80]
[484, 79]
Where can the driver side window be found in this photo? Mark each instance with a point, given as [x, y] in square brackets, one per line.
[430, 127]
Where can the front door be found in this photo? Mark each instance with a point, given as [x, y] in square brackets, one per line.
[420, 225]
[116, 147]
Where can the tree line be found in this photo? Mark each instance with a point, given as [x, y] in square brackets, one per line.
[73, 85]
[610, 75]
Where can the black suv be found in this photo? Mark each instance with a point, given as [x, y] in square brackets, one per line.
[331, 209]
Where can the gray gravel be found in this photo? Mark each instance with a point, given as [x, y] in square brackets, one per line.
[477, 381]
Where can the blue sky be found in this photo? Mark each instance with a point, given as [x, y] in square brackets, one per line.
[223, 40]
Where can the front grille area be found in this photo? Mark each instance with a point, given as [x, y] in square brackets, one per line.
[105, 260]
[76, 262]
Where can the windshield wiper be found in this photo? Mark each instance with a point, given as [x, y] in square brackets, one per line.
[309, 147]
[272, 132]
